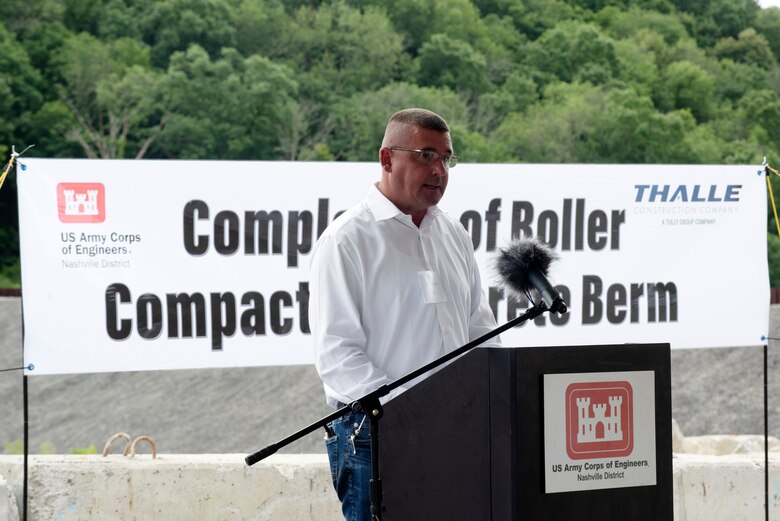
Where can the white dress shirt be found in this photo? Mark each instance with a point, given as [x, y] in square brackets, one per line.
[388, 297]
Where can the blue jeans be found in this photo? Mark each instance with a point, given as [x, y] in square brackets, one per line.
[350, 465]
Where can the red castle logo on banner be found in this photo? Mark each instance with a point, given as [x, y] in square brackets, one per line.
[599, 420]
[81, 202]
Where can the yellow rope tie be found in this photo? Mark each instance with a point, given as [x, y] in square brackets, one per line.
[7, 169]
[772, 195]
[14, 159]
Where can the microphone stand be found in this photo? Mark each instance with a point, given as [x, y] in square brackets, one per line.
[370, 405]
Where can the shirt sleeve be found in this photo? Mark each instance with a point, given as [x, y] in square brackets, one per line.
[341, 360]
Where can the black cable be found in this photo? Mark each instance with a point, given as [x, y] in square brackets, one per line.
[28, 367]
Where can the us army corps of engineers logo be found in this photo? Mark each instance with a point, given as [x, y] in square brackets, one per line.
[599, 430]
[81, 202]
[599, 420]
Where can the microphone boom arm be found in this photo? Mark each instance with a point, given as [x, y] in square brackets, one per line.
[369, 401]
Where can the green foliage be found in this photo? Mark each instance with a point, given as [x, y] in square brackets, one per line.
[20, 86]
[592, 124]
[115, 101]
[91, 449]
[168, 26]
[773, 255]
[716, 19]
[634, 81]
[358, 123]
[534, 17]
[453, 64]
[768, 25]
[231, 107]
[575, 51]
[341, 50]
[263, 27]
[750, 47]
[13, 447]
[11, 275]
[622, 24]
[685, 85]
[16, 447]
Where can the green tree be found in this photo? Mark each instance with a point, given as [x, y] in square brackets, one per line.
[534, 17]
[359, 122]
[122, 19]
[454, 64]
[410, 18]
[762, 107]
[733, 16]
[575, 51]
[341, 50]
[114, 100]
[19, 98]
[516, 94]
[263, 27]
[636, 63]
[685, 85]
[168, 26]
[716, 19]
[621, 24]
[22, 16]
[749, 47]
[50, 125]
[734, 80]
[773, 257]
[43, 43]
[768, 25]
[595, 124]
[19, 87]
[231, 107]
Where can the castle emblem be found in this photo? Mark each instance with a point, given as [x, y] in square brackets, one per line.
[599, 420]
[599, 426]
[81, 202]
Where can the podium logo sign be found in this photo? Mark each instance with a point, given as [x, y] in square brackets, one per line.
[599, 419]
[599, 430]
[81, 202]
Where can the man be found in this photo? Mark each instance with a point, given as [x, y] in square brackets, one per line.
[394, 285]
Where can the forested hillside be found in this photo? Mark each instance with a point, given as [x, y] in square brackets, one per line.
[551, 81]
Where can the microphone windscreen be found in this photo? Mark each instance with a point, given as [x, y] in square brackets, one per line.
[516, 261]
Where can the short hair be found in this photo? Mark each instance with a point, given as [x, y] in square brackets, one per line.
[421, 118]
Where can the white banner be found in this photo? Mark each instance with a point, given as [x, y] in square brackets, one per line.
[141, 265]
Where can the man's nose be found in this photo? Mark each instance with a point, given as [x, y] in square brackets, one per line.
[439, 168]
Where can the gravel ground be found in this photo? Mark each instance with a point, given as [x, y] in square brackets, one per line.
[714, 391]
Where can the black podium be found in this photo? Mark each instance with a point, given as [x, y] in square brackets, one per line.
[468, 443]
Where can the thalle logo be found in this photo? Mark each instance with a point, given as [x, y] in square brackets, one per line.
[599, 420]
[81, 202]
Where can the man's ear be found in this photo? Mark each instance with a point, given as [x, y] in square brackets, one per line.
[384, 158]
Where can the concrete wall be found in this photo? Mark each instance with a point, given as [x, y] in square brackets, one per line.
[174, 488]
[297, 488]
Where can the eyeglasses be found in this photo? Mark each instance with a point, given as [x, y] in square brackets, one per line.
[429, 156]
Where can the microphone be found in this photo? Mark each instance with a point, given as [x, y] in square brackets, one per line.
[523, 266]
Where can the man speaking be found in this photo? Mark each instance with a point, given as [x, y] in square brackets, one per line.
[394, 285]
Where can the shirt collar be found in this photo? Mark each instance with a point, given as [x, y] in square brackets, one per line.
[382, 208]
